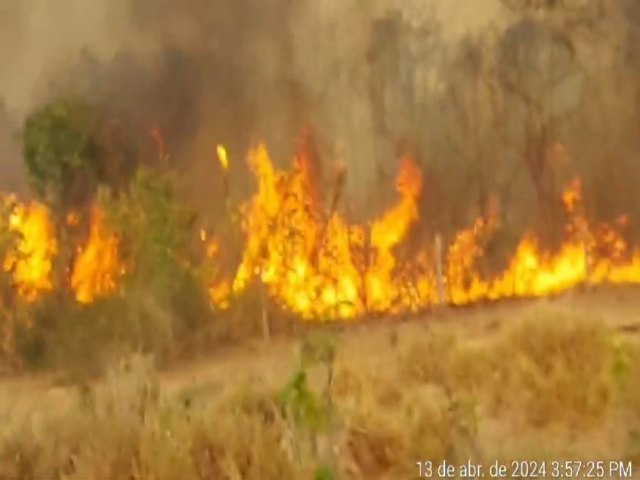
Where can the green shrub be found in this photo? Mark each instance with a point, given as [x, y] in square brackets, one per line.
[163, 295]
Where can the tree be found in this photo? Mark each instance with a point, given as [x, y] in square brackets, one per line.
[70, 148]
[60, 153]
[542, 81]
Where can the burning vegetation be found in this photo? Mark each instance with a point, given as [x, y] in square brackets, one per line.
[97, 266]
[30, 260]
[313, 262]
[320, 266]
[165, 212]
[141, 213]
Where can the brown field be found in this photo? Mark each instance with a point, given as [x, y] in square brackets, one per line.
[549, 380]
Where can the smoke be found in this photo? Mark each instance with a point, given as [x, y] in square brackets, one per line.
[365, 66]
[370, 77]
[200, 72]
[212, 71]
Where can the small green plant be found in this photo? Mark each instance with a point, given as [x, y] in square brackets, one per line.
[312, 413]
[306, 407]
[633, 445]
[325, 473]
[622, 362]
[303, 407]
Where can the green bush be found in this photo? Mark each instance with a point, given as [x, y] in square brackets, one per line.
[59, 153]
[70, 148]
[163, 292]
[77, 155]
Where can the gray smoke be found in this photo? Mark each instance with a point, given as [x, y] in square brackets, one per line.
[373, 78]
[212, 71]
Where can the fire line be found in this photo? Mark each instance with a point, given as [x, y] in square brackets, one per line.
[317, 265]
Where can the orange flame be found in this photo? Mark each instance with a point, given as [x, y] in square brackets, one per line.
[592, 253]
[314, 269]
[31, 262]
[223, 158]
[97, 266]
[338, 270]
[316, 264]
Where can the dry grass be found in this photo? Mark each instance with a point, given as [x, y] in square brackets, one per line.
[550, 384]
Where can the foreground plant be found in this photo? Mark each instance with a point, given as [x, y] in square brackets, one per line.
[313, 413]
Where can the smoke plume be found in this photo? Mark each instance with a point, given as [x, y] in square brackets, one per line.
[211, 71]
[371, 78]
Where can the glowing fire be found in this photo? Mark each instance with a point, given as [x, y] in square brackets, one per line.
[31, 262]
[324, 267]
[223, 157]
[314, 263]
[321, 267]
[97, 265]
[592, 253]
[29, 258]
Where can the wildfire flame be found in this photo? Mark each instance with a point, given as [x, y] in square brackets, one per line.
[321, 267]
[222, 157]
[30, 258]
[31, 262]
[316, 264]
[97, 265]
[325, 268]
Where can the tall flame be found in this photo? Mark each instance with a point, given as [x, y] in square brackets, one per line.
[322, 267]
[389, 231]
[31, 262]
[97, 265]
[223, 157]
[316, 264]
[325, 268]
